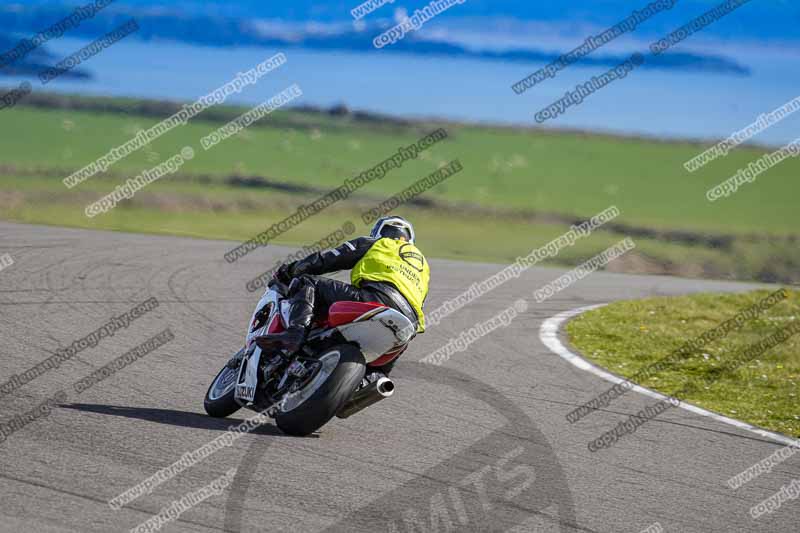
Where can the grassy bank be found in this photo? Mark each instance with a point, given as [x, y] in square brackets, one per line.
[627, 336]
[518, 188]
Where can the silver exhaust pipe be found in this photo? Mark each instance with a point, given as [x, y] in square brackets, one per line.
[369, 395]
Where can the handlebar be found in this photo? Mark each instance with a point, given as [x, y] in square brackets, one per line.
[276, 285]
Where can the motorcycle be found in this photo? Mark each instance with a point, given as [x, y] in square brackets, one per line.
[325, 378]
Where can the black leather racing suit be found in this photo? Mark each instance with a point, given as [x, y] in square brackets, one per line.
[318, 293]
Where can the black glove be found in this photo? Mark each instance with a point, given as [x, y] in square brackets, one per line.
[283, 274]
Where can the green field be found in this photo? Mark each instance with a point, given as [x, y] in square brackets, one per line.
[627, 336]
[518, 188]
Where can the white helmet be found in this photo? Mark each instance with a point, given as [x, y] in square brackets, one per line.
[393, 227]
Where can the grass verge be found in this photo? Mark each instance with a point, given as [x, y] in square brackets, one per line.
[623, 337]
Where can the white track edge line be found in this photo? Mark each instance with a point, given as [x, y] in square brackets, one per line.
[548, 333]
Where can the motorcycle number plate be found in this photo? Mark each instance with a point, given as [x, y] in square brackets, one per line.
[245, 392]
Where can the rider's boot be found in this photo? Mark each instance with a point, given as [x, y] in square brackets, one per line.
[301, 313]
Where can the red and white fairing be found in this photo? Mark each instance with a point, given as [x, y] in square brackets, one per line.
[381, 333]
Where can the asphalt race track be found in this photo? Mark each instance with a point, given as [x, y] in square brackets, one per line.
[480, 443]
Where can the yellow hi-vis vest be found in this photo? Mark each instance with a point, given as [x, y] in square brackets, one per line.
[401, 264]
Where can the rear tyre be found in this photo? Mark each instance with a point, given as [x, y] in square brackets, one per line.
[310, 408]
[219, 401]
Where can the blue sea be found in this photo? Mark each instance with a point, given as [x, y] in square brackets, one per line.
[659, 103]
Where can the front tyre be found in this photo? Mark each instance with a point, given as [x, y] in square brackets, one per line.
[306, 410]
[219, 401]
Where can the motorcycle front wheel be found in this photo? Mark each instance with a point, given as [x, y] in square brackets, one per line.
[219, 401]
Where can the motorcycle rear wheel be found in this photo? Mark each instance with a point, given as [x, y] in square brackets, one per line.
[308, 409]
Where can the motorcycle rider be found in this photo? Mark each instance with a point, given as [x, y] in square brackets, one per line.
[386, 267]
